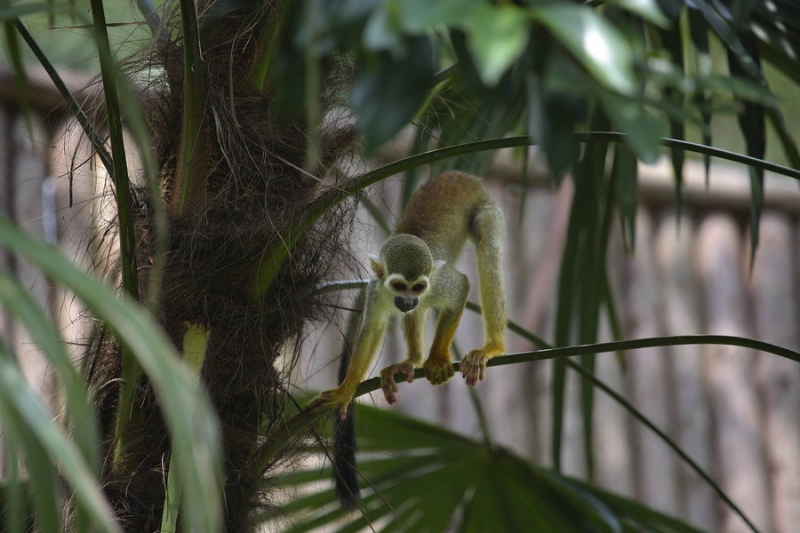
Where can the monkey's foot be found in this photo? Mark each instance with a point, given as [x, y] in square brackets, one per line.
[438, 370]
[473, 366]
[331, 399]
[388, 383]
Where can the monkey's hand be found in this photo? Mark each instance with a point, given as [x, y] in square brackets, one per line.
[438, 369]
[338, 398]
[473, 366]
[388, 383]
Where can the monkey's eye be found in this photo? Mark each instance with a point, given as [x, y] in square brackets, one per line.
[418, 288]
[399, 287]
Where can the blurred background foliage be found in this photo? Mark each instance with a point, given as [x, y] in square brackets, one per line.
[64, 32]
[596, 86]
[61, 31]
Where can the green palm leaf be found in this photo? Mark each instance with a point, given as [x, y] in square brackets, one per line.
[421, 477]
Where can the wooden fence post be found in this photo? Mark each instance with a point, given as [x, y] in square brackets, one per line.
[681, 315]
[29, 155]
[649, 375]
[773, 288]
[731, 376]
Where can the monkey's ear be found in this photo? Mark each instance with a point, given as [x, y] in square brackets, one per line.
[377, 265]
[439, 263]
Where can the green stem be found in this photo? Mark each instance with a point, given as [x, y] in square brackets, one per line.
[269, 39]
[192, 166]
[137, 127]
[608, 136]
[119, 175]
[313, 69]
[373, 384]
[273, 258]
[305, 418]
[635, 413]
[195, 342]
[73, 105]
[335, 196]
[131, 369]
[14, 55]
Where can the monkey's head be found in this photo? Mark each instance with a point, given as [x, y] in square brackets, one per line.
[404, 268]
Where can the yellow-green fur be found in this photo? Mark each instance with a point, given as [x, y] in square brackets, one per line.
[416, 271]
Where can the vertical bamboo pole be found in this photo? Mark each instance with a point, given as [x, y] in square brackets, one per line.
[649, 376]
[74, 198]
[28, 171]
[682, 315]
[6, 328]
[730, 374]
[775, 308]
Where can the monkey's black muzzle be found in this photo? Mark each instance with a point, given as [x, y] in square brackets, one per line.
[406, 303]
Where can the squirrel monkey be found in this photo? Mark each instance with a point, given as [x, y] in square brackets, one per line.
[416, 271]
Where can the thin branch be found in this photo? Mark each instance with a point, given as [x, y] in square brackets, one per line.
[274, 257]
[608, 136]
[373, 384]
[73, 105]
[635, 413]
[150, 15]
[305, 418]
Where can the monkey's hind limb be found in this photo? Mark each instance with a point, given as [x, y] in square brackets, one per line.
[487, 233]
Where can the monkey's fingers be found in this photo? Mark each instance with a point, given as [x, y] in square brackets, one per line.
[407, 368]
[438, 370]
[389, 385]
[315, 404]
[331, 399]
[473, 367]
[389, 391]
[474, 375]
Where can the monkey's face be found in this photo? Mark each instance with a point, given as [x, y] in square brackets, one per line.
[406, 293]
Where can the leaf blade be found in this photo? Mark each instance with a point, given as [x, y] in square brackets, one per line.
[593, 40]
[187, 408]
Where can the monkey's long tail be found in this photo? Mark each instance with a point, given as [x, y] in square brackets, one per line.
[345, 475]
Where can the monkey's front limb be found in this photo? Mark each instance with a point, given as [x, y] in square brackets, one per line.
[438, 370]
[414, 332]
[365, 349]
[439, 365]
